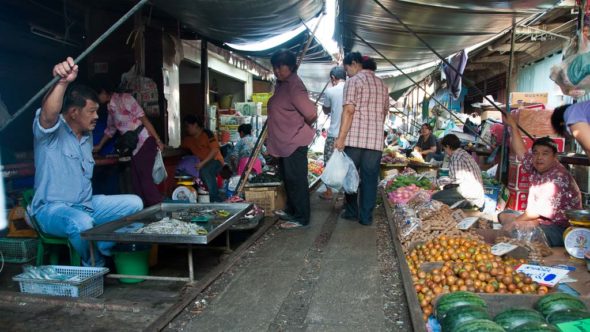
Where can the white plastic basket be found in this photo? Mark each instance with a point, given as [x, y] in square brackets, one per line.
[89, 285]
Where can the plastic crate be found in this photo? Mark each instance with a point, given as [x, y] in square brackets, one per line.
[18, 250]
[90, 283]
[261, 97]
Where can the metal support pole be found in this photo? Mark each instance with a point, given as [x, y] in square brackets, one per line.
[503, 149]
[191, 269]
[468, 82]
[76, 61]
[205, 74]
[418, 85]
[581, 13]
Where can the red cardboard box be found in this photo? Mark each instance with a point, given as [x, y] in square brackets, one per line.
[517, 200]
[560, 141]
[528, 143]
[518, 179]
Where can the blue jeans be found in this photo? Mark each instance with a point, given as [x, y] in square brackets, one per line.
[61, 220]
[368, 163]
[208, 174]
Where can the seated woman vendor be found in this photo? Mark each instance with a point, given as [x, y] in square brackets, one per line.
[427, 145]
[464, 181]
[552, 189]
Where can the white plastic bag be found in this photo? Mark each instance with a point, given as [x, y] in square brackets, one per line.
[159, 173]
[351, 181]
[233, 183]
[336, 170]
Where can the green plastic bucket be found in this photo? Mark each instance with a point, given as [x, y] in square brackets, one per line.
[132, 260]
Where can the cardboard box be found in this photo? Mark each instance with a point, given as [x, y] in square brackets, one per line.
[268, 198]
[246, 109]
[560, 141]
[228, 120]
[529, 98]
[528, 144]
[535, 120]
[517, 200]
[261, 97]
[518, 179]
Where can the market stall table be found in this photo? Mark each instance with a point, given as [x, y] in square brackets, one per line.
[125, 230]
[577, 283]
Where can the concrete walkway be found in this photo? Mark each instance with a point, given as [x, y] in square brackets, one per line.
[323, 278]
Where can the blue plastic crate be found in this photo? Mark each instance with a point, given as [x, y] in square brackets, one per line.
[89, 284]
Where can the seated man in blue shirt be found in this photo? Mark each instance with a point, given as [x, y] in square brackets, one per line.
[63, 203]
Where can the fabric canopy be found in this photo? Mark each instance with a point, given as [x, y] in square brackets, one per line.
[243, 21]
[315, 51]
[448, 26]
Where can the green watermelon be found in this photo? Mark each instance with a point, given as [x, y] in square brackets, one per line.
[568, 315]
[514, 317]
[456, 299]
[479, 325]
[536, 327]
[558, 301]
[456, 316]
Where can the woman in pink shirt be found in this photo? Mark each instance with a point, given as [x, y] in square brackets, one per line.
[126, 114]
[290, 118]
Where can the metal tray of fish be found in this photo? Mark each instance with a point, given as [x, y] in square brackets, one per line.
[199, 223]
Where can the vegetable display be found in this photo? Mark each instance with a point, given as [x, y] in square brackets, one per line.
[465, 265]
[406, 180]
[315, 167]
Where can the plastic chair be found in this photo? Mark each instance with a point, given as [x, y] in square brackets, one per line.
[47, 241]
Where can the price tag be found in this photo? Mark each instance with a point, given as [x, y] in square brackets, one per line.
[503, 248]
[544, 275]
[466, 223]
